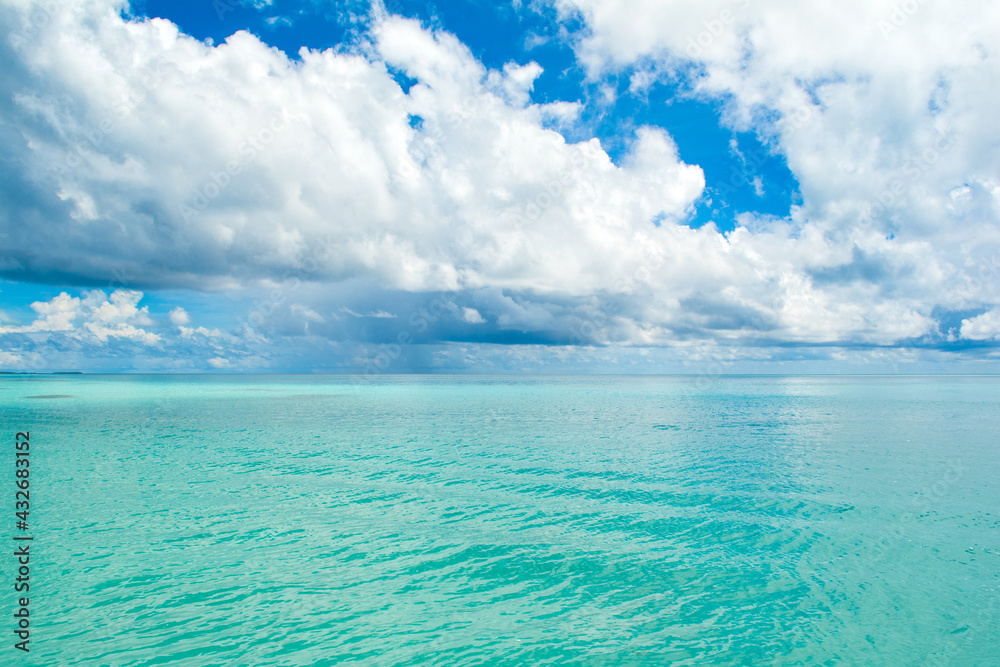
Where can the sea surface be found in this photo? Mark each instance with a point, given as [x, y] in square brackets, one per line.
[507, 520]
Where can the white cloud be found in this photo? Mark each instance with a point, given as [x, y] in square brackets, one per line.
[882, 112]
[227, 166]
[179, 316]
[190, 332]
[378, 314]
[982, 327]
[307, 313]
[472, 316]
[856, 109]
[55, 315]
[8, 359]
[346, 173]
[100, 317]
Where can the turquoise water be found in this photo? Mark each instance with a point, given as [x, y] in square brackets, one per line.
[509, 520]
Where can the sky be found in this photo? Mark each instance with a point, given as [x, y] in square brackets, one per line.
[543, 186]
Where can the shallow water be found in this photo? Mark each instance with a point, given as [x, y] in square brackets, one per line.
[552, 520]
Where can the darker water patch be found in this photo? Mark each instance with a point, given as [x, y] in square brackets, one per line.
[51, 396]
[297, 396]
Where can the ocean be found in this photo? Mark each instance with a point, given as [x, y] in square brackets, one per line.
[506, 520]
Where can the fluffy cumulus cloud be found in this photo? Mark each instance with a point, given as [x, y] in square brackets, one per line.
[185, 164]
[348, 204]
[96, 317]
[179, 316]
[982, 327]
[112, 332]
[65, 326]
[884, 112]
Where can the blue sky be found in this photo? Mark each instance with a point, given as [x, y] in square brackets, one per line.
[553, 186]
[498, 34]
